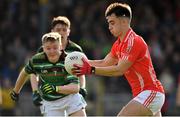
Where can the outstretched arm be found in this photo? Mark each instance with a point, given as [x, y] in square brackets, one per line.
[116, 70]
[20, 81]
[113, 70]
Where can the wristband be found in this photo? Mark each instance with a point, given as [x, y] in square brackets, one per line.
[57, 88]
[93, 69]
[35, 91]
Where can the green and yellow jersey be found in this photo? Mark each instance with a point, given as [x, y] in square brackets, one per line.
[53, 74]
[50, 73]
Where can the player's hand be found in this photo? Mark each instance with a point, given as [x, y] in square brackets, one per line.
[83, 92]
[36, 98]
[79, 70]
[47, 88]
[14, 96]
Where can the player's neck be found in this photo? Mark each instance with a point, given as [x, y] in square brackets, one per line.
[56, 58]
[123, 33]
[64, 44]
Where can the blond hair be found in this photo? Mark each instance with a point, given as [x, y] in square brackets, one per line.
[52, 36]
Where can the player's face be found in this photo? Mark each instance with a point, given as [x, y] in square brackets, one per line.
[52, 50]
[115, 25]
[63, 30]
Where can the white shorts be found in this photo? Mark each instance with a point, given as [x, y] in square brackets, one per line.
[152, 100]
[64, 106]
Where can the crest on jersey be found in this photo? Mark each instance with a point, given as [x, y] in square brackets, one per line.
[44, 71]
[128, 49]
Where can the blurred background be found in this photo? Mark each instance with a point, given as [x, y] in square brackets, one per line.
[23, 22]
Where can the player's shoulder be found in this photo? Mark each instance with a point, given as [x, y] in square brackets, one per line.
[40, 49]
[138, 42]
[40, 55]
[135, 38]
[72, 46]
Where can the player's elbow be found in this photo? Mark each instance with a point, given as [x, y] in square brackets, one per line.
[120, 70]
[76, 90]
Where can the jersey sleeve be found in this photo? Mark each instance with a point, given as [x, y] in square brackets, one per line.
[72, 79]
[133, 50]
[73, 47]
[113, 50]
[40, 49]
[29, 67]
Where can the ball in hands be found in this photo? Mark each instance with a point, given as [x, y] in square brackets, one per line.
[73, 58]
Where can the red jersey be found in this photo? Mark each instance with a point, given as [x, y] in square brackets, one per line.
[141, 75]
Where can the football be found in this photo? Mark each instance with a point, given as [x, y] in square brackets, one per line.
[73, 58]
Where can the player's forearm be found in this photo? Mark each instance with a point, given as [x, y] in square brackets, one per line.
[34, 82]
[109, 71]
[20, 81]
[98, 63]
[82, 81]
[116, 70]
[69, 89]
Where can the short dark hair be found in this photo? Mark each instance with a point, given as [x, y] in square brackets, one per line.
[60, 20]
[119, 9]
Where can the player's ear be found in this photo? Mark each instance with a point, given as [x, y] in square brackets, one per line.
[68, 31]
[43, 47]
[125, 20]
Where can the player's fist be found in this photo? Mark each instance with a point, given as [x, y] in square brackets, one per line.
[14, 96]
[47, 88]
[83, 92]
[36, 98]
[86, 68]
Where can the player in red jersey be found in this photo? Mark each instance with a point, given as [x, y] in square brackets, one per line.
[129, 56]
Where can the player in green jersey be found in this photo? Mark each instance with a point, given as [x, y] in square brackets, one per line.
[58, 89]
[60, 24]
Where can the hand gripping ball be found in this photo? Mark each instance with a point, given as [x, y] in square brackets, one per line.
[73, 58]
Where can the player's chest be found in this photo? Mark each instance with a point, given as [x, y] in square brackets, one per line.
[121, 50]
[48, 69]
[53, 74]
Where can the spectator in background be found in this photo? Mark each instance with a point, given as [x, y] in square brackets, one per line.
[7, 105]
[129, 56]
[178, 93]
[167, 80]
[0, 95]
